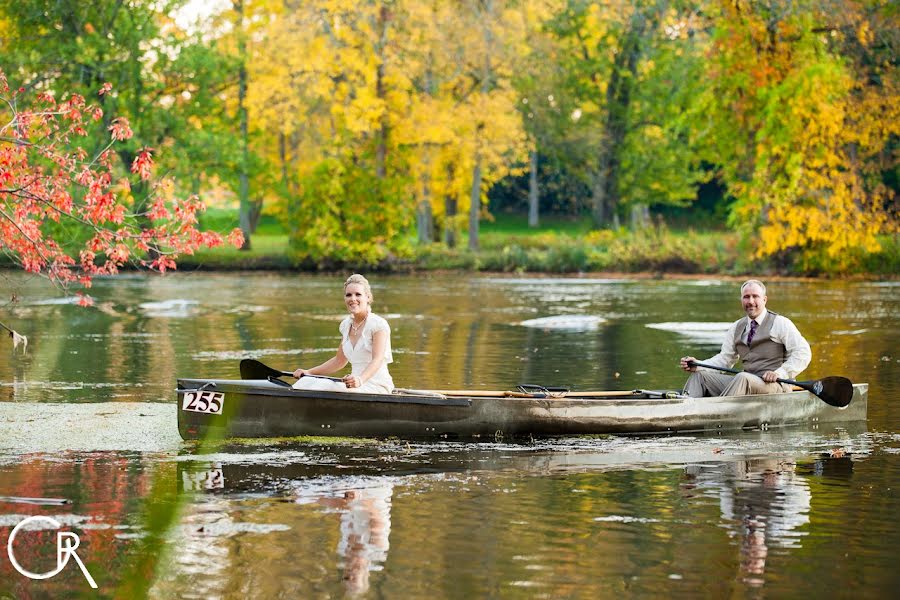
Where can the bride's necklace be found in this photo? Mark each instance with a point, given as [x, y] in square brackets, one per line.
[354, 327]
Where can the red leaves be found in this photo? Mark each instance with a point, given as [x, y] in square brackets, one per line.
[162, 263]
[120, 129]
[236, 237]
[84, 300]
[158, 211]
[143, 163]
[44, 176]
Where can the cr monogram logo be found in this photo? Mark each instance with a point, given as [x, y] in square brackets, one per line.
[66, 543]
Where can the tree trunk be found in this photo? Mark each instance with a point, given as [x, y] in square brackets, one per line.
[598, 196]
[255, 213]
[380, 92]
[640, 217]
[244, 177]
[475, 204]
[282, 157]
[605, 192]
[475, 197]
[533, 190]
[450, 208]
[424, 215]
[450, 221]
[425, 222]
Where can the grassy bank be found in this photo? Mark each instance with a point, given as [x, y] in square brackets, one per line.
[559, 245]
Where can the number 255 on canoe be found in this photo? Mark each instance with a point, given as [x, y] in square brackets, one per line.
[203, 402]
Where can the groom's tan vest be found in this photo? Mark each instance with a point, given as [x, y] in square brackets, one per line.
[763, 354]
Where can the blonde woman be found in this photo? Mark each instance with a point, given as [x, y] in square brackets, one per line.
[365, 344]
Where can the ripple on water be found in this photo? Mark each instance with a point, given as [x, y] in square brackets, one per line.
[177, 308]
[56, 301]
[565, 322]
[210, 355]
[704, 333]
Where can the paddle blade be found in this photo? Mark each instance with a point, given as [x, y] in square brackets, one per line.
[836, 391]
[253, 369]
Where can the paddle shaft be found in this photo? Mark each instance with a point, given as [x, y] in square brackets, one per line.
[508, 394]
[261, 370]
[803, 384]
[316, 376]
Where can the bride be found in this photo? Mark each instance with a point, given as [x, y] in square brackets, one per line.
[365, 344]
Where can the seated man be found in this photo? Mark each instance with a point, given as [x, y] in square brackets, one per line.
[768, 344]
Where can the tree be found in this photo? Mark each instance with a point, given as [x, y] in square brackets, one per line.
[804, 103]
[619, 58]
[167, 82]
[463, 117]
[66, 212]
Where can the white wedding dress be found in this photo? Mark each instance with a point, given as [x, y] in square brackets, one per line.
[360, 356]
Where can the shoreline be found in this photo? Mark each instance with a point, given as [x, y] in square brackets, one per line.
[192, 268]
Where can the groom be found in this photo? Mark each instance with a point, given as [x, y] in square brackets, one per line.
[768, 344]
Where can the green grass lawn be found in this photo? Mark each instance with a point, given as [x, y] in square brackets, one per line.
[515, 224]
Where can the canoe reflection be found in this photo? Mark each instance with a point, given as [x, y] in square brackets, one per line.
[346, 508]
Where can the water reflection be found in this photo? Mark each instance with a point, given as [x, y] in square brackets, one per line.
[87, 414]
[365, 525]
[764, 504]
[354, 501]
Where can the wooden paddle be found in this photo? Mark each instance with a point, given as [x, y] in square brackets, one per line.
[253, 369]
[836, 391]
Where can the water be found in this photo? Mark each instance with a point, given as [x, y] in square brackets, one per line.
[87, 415]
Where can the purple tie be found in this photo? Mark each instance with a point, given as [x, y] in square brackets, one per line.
[752, 332]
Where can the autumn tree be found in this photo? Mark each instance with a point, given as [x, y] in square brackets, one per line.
[50, 178]
[325, 86]
[463, 117]
[804, 103]
[166, 81]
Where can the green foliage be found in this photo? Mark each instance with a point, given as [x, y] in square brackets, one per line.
[632, 77]
[800, 130]
[347, 215]
[654, 249]
[659, 251]
[886, 262]
[166, 82]
[787, 111]
[514, 248]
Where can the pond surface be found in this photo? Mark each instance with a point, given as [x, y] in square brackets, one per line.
[87, 416]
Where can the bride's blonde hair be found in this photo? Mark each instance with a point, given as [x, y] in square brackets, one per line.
[357, 278]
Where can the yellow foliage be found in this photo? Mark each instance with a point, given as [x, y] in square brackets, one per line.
[816, 127]
[332, 79]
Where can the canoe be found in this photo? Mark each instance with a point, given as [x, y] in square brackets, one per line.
[254, 408]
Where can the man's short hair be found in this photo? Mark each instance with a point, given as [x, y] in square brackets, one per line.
[761, 285]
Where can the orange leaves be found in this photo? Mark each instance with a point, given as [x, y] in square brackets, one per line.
[45, 177]
[158, 211]
[143, 164]
[120, 129]
[236, 237]
[799, 140]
